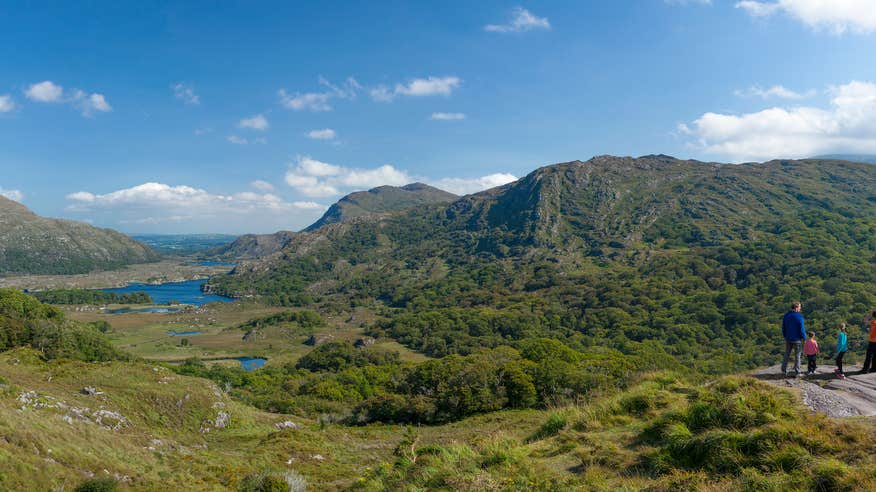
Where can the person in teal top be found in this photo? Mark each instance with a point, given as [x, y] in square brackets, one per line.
[841, 349]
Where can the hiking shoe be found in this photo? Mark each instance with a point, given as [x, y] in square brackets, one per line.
[840, 375]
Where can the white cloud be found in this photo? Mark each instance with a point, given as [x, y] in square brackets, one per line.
[91, 103]
[310, 101]
[49, 92]
[237, 140]
[46, 91]
[324, 134]
[774, 91]
[314, 178]
[430, 86]
[838, 16]
[462, 186]
[15, 195]
[262, 185]
[521, 20]
[203, 131]
[159, 203]
[848, 125]
[257, 122]
[447, 116]
[319, 101]
[6, 103]
[186, 94]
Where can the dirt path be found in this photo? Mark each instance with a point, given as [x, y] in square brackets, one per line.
[824, 392]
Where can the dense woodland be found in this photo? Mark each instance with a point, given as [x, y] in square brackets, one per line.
[90, 296]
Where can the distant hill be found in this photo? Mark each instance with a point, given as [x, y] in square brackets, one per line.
[252, 246]
[183, 244]
[868, 158]
[30, 244]
[382, 199]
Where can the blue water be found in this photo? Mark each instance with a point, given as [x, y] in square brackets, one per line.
[250, 363]
[182, 333]
[216, 263]
[143, 310]
[188, 292]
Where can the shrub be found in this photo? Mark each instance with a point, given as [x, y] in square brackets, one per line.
[290, 481]
[104, 484]
[552, 426]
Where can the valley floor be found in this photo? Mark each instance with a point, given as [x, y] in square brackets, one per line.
[167, 270]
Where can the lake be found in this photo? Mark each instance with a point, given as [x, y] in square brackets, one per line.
[188, 292]
[250, 363]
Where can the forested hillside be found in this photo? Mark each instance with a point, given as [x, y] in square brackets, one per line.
[702, 258]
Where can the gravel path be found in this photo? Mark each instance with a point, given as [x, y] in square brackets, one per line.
[825, 393]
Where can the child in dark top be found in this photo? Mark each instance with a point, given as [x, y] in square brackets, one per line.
[810, 349]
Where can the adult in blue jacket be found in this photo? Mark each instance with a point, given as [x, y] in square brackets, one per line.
[794, 331]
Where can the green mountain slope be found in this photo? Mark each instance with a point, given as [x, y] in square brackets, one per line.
[36, 245]
[251, 246]
[381, 199]
[702, 258]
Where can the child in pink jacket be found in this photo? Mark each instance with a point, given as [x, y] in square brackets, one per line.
[810, 349]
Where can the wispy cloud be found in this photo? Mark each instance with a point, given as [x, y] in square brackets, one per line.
[49, 92]
[319, 101]
[847, 125]
[775, 91]
[447, 116]
[521, 20]
[429, 86]
[314, 178]
[262, 185]
[464, 186]
[16, 195]
[237, 140]
[837, 16]
[257, 122]
[6, 103]
[186, 94]
[324, 134]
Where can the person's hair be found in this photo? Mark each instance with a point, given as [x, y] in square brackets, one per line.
[874, 314]
[796, 304]
[843, 326]
[811, 334]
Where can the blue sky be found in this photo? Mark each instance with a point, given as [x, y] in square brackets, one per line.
[254, 116]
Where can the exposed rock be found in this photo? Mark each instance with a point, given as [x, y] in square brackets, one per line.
[286, 424]
[91, 391]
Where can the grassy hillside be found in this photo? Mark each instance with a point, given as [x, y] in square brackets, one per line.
[35, 245]
[66, 421]
[147, 429]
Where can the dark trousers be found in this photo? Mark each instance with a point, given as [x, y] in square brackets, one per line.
[870, 359]
[811, 360]
[839, 362]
